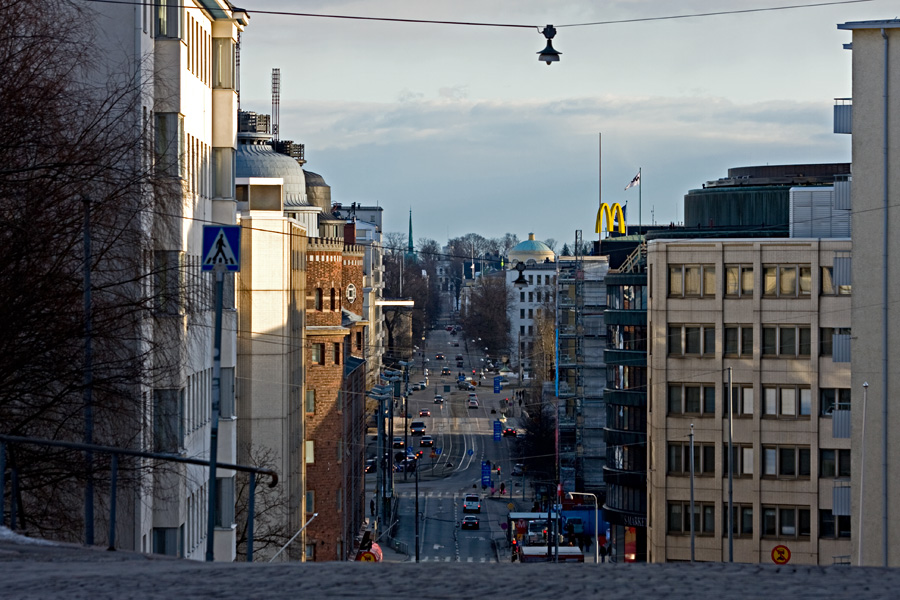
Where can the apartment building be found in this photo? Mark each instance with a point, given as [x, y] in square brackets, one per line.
[772, 312]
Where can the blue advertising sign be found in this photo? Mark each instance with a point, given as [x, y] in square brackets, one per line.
[221, 246]
[497, 431]
[485, 474]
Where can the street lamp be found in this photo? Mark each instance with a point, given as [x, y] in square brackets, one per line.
[549, 54]
[596, 522]
[520, 281]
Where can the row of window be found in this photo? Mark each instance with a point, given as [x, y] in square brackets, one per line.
[778, 281]
[788, 341]
[786, 401]
[334, 297]
[781, 462]
[775, 521]
[317, 356]
[537, 296]
[627, 297]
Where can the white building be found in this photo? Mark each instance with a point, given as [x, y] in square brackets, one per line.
[181, 58]
[540, 273]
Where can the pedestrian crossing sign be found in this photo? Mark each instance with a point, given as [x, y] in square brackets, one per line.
[221, 246]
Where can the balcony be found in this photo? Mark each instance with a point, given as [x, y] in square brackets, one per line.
[843, 115]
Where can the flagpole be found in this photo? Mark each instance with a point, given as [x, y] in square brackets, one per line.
[640, 187]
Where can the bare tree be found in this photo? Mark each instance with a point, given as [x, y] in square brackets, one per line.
[487, 314]
[271, 511]
[551, 243]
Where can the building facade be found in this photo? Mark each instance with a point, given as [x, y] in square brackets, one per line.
[769, 311]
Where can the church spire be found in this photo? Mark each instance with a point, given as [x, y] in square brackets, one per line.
[409, 248]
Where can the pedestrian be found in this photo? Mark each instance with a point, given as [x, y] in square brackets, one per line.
[603, 553]
[372, 506]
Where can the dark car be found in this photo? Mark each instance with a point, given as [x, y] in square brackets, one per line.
[438, 399]
[470, 522]
[399, 443]
[509, 432]
[439, 356]
[459, 357]
[427, 441]
[459, 364]
[417, 428]
[371, 465]
[445, 371]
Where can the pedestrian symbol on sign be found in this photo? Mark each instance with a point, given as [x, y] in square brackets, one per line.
[221, 246]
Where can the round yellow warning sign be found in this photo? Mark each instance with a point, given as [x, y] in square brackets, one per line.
[367, 557]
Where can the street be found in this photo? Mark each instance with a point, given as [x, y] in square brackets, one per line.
[463, 438]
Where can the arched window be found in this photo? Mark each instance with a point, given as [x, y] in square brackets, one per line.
[319, 299]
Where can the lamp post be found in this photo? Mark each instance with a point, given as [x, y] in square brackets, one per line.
[596, 522]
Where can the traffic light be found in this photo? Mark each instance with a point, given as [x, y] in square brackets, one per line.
[473, 371]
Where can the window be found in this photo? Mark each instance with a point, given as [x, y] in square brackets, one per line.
[521, 329]
[168, 19]
[826, 339]
[168, 420]
[310, 453]
[786, 462]
[310, 501]
[531, 296]
[828, 287]
[739, 280]
[679, 518]
[786, 341]
[170, 145]
[692, 399]
[311, 551]
[521, 296]
[320, 299]
[333, 300]
[692, 339]
[831, 399]
[167, 540]
[318, 354]
[223, 172]
[742, 456]
[785, 521]
[337, 353]
[530, 313]
[741, 401]
[739, 340]
[223, 55]
[224, 501]
[310, 401]
[834, 463]
[787, 402]
[692, 280]
[359, 340]
[743, 519]
[787, 281]
[521, 313]
[679, 459]
[832, 527]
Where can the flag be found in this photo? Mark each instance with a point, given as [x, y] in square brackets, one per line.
[634, 182]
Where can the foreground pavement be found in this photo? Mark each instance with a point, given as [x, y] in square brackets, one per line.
[73, 572]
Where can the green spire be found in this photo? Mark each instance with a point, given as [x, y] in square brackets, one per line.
[409, 248]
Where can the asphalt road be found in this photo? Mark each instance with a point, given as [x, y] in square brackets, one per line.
[463, 440]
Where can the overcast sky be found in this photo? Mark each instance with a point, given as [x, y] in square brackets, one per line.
[464, 125]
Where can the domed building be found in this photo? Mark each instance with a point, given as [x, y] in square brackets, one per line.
[531, 250]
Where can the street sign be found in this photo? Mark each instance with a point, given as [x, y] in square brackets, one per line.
[446, 389]
[496, 385]
[462, 377]
[470, 452]
[221, 246]
[497, 426]
[438, 451]
[485, 474]
[781, 554]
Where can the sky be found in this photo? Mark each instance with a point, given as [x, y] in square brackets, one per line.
[463, 124]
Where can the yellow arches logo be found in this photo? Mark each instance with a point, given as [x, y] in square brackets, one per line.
[610, 216]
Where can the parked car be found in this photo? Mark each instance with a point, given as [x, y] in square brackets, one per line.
[469, 522]
[426, 441]
[424, 413]
[417, 427]
[472, 503]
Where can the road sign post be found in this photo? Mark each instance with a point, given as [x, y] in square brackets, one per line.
[221, 252]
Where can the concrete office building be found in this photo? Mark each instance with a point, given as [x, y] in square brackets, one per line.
[771, 311]
[876, 286]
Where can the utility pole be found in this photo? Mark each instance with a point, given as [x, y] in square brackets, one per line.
[88, 383]
[692, 492]
[417, 514]
[730, 470]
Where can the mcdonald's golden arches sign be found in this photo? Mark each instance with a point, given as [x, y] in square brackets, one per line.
[610, 215]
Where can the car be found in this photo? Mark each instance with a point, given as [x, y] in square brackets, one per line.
[472, 503]
[459, 364]
[415, 387]
[509, 432]
[470, 522]
[371, 465]
[426, 441]
[423, 385]
[399, 443]
[439, 356]
[459, 357]
[473, 403]
[453, 332]
[518, 470]
[424, 413]
[407, 465]
[456, 344]
[445, 371]
[465, 385]
[438, 399]
[417, 427]
[449, 327]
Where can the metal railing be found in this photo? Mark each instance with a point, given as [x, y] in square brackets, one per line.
[115, 453]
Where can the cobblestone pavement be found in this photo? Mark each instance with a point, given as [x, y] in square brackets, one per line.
[72, 572]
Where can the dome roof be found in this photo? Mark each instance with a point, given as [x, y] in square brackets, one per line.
[256, 158]
[531, 249]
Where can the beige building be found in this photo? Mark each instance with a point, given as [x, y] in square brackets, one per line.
[769, 310]
[876, 286]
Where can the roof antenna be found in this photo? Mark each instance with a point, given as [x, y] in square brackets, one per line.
[276, 102]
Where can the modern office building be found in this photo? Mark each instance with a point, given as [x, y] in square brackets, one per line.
[769, 311]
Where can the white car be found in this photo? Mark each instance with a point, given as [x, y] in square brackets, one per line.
[473, 403]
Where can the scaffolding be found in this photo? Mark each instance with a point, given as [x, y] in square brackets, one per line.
[581, 300]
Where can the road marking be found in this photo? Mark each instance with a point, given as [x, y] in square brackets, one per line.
[469, 559]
